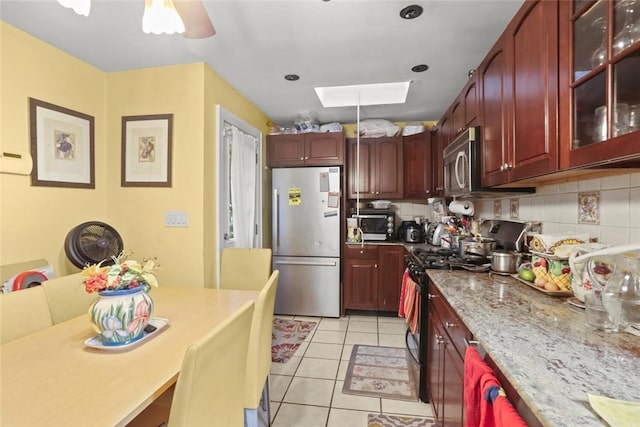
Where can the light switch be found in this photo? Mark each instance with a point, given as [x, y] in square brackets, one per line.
[176, 219]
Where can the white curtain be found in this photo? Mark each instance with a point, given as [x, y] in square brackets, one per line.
[243, 187]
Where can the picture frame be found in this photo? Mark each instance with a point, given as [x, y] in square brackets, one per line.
[146, 150]
[62, 146]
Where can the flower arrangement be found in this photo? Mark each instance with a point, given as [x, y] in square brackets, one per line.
[123, 274]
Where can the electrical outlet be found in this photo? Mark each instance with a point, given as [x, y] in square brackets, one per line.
[176, 219]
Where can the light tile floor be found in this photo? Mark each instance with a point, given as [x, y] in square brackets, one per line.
[307, 390]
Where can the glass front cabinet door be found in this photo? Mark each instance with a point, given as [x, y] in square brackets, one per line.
[603, 42]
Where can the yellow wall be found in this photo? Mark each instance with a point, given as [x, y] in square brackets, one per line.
[35, 220]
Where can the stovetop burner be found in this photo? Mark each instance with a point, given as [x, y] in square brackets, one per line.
[439, 258]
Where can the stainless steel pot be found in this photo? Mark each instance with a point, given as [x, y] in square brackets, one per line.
[473, 246]
[505, 261]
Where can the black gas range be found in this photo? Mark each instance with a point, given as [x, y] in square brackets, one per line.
[434, 257]
[419, 260]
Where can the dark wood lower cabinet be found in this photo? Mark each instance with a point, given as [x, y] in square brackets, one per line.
[373, 277]
[446, 346]
[445, 364]
[391, 261]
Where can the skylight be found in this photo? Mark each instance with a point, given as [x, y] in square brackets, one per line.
[366, 94]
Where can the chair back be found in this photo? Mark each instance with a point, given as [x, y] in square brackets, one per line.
[245, 268]
[210, 387]
[67, 297]
[22, 313]
[259, 355]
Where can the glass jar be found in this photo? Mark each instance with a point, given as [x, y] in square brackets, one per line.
[621, 294]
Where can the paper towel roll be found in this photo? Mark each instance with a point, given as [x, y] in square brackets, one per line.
[461, 207]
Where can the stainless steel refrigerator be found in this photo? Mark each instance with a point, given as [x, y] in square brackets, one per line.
[306, 240]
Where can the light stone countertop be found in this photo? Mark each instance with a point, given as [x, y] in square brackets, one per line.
[543, 346]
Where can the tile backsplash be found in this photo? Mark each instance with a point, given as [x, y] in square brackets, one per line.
[606, 208]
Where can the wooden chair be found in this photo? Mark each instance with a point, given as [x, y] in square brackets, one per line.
[22, 313]
[210, 387]
[259, 355]
[67, 297]
[245, 268]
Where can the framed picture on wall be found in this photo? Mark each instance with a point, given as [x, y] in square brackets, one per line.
[62, 146]
[146, 150]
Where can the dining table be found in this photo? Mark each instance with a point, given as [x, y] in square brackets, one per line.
[53, 378]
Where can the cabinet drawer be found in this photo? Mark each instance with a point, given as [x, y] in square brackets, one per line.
[361, 252]
[451, 323]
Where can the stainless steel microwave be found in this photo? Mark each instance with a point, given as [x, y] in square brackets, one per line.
[463, 169]
[462, 164]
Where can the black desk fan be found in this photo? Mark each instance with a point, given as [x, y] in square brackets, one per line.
[92, 242]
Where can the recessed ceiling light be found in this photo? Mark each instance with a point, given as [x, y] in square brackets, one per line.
[367, 94]
[411, 12]
[292, 77]
[419, 68]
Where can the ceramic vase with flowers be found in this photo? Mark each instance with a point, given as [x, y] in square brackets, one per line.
[124, 307]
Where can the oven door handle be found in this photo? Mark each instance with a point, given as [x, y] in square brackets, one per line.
[406, 340]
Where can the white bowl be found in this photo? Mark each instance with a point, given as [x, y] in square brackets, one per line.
[381, 204]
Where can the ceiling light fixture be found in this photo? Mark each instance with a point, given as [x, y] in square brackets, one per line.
[367, 94]
[419, 68]
[292, 77]
[411, 12]
[160, 17]
[81, 7]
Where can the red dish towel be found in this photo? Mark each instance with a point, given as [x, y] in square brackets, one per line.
[403, 291]
[411, 305]
[480, 409]
[474, 404]
[504, 414]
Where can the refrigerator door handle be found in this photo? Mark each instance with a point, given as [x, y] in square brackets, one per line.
[321, 264]
[274, 228]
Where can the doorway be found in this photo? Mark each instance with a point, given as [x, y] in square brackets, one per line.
[239, 212]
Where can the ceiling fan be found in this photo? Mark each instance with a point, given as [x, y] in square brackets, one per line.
[197, 24]
[188, 17]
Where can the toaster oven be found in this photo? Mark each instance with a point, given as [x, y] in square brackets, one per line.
[375, 224]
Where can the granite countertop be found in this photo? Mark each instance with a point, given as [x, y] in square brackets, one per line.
[543, 346]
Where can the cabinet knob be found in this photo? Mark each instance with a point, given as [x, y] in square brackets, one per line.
[439, 339]
[507, 166]
[427, 192]
[375, 265]
[460, 130]
[430, 296]
[306, 158]
[449, 325]
[301, 158]
[502, 167]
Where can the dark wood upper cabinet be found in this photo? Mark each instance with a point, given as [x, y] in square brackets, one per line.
[519, 98]
[418, 166]
[534, 55]
[458, 121]
[438, 144]
[494, 79]
[381, 168]
[599, 84]
[306, 149]
[464, 110]
[470, 100]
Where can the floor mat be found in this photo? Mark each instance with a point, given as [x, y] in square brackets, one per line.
[380, 372]
[286, 337]
[380, 420]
